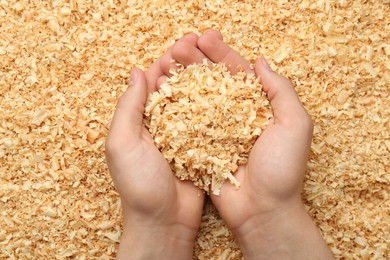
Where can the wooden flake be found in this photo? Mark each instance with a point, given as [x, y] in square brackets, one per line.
[199, 149]
[62, 62]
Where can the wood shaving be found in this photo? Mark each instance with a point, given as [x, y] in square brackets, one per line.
[205, 122]
[63, 65]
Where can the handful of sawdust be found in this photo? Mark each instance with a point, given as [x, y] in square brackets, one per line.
[205, 122]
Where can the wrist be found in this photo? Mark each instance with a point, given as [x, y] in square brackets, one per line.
[156, 242]
[288, 233]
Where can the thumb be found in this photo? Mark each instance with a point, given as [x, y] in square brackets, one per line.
[284, 99]
[129, 111]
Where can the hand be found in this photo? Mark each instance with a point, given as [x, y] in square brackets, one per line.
[161, 213]
[266, 214]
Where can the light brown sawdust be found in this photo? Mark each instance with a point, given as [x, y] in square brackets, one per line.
[205, 121]
[63, 65]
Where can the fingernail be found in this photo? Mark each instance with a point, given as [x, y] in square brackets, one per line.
[266, 65]
[133, 78]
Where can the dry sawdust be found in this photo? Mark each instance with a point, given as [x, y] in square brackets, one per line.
[63, 65]
[205, 122]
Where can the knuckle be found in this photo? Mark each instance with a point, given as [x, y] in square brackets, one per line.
[112, 146]
[286, 81]
[310, 123]
[109, 147]
[300, 122]
[305, 122]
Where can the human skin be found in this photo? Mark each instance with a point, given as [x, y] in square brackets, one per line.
[266, 214]
[162, 214]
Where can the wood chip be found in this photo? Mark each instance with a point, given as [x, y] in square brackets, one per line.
[63, 62]
[205, 122]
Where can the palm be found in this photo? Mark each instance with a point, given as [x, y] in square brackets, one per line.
[157, 191]
[141, 174]
[273, 174]
[144, 192]
[277, 161]
[276, 164]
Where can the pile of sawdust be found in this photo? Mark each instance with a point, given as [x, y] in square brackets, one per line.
[205, 122]
[63, 65]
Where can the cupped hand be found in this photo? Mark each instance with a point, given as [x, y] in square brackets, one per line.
[266, 214]
[161, 213]
[277, 162]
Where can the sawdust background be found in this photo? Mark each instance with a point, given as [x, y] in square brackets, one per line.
[63, 65]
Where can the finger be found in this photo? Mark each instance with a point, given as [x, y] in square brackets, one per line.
[284, 99]
[184, 52]
[167, 63]
[216, 50]
[161, 80]
[215, 33]
[129, 111]
[187, 53]
[163, 64]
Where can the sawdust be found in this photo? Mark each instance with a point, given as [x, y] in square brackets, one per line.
[205, 122]
[63, 65]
